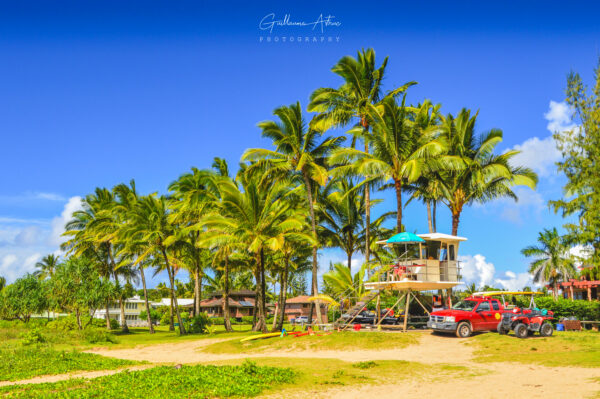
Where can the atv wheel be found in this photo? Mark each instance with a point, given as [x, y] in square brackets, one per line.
[501, 329]
[546, 330]
[463, 330]
[521, 330]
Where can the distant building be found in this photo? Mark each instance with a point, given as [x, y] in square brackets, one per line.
[181, 302]
[133, 307]
[581, 289]
[300, 306]
[241, 303]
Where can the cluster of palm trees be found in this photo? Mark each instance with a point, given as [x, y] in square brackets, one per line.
[309, 191]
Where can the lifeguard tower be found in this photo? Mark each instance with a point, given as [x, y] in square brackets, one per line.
[427, 262]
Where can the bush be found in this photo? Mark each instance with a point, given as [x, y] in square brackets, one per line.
[247, 319]
[198, 324]
[154, 315]
[33, 336]
[165, 319]
[582, 309]
[94, 335]
[68, 323]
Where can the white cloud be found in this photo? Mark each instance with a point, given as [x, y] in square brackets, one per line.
[559, 117]
[514, 281]
[539, 155]
[529, 203]
[49, 196]
[475, 269]
[30, 235]
[58, 223]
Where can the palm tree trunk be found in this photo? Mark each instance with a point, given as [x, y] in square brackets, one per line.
[173, 296]
[429, 218]
[398, 186]
[434, 216]
[197, 292]
[283, 287]
[365, 125]
[315, 266]
[260, 316]
[148, 318]
[278, 304]
[124, 327]
[455, 221]
[171, 316]
[349, 255]
[226, 315]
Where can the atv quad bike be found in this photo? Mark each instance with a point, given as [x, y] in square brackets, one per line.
[525, 322]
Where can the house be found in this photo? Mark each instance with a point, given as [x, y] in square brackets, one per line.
[241, 303]
[187, 303]
[581, 289]
[300, 306]
[133, 307]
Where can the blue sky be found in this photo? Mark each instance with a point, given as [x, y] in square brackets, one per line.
[96, 93]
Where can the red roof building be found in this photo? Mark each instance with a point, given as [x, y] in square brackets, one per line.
[300, 306]
[581, 289]
[241, 303]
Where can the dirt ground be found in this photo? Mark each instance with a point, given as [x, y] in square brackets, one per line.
[503, 380]
[499, 380]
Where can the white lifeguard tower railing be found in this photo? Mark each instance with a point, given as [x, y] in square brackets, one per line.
[427, 262]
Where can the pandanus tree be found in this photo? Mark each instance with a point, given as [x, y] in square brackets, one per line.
[402, 150]
[483, 176]
[259, 217]
[149, 229]
[299, 155]
[552, 259]
[351, 103]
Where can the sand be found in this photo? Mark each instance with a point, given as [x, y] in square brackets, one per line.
[498, 380]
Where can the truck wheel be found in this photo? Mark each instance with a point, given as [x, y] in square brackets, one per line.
[521, 330]
[546, 330]
[463, 330]
[501, 329]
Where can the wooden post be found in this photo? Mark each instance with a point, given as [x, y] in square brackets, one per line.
[406, 309]
[449, 295]
[589, 290]
[571, 291]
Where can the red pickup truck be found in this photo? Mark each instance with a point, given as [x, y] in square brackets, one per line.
[475, 313]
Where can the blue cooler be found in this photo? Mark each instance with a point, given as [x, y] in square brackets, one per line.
[560, 327]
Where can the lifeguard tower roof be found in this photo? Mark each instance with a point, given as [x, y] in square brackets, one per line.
[441, 237]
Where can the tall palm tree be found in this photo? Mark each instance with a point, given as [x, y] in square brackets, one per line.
[46, 266]
[342, 224]
[91, 235]
[126, 199]
[402, 150]
[352, 102]
[258, 217]
[148, 227]
[552, 259]
[483, 175]
[299, 155]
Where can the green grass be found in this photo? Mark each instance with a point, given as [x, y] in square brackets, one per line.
[336, 341]
[199, 381]
[20, 362]
[580, 349]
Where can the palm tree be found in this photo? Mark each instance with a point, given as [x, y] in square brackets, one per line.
[194, 193]
[402, 149]
[553, 261]
[2, 283]
[298, 156]
[47, 266]
[258, 217]
[92, 236]
[345, 287]
[148, 228]
[341, 217]
[483, 175]
[352, 101]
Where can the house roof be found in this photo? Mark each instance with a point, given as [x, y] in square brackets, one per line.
[299, 299]
[180, 302]
[212, 302]
[235, 293]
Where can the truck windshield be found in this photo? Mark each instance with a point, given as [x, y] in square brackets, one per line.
[465, 305]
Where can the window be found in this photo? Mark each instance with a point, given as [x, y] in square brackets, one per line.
[465, 305]
[495, 305]
[452, 252]
[483, 306]
[131, 306]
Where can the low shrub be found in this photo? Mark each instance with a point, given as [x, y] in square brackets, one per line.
[198, 324]
[95, 335]
[32, 336]
[582, 309]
